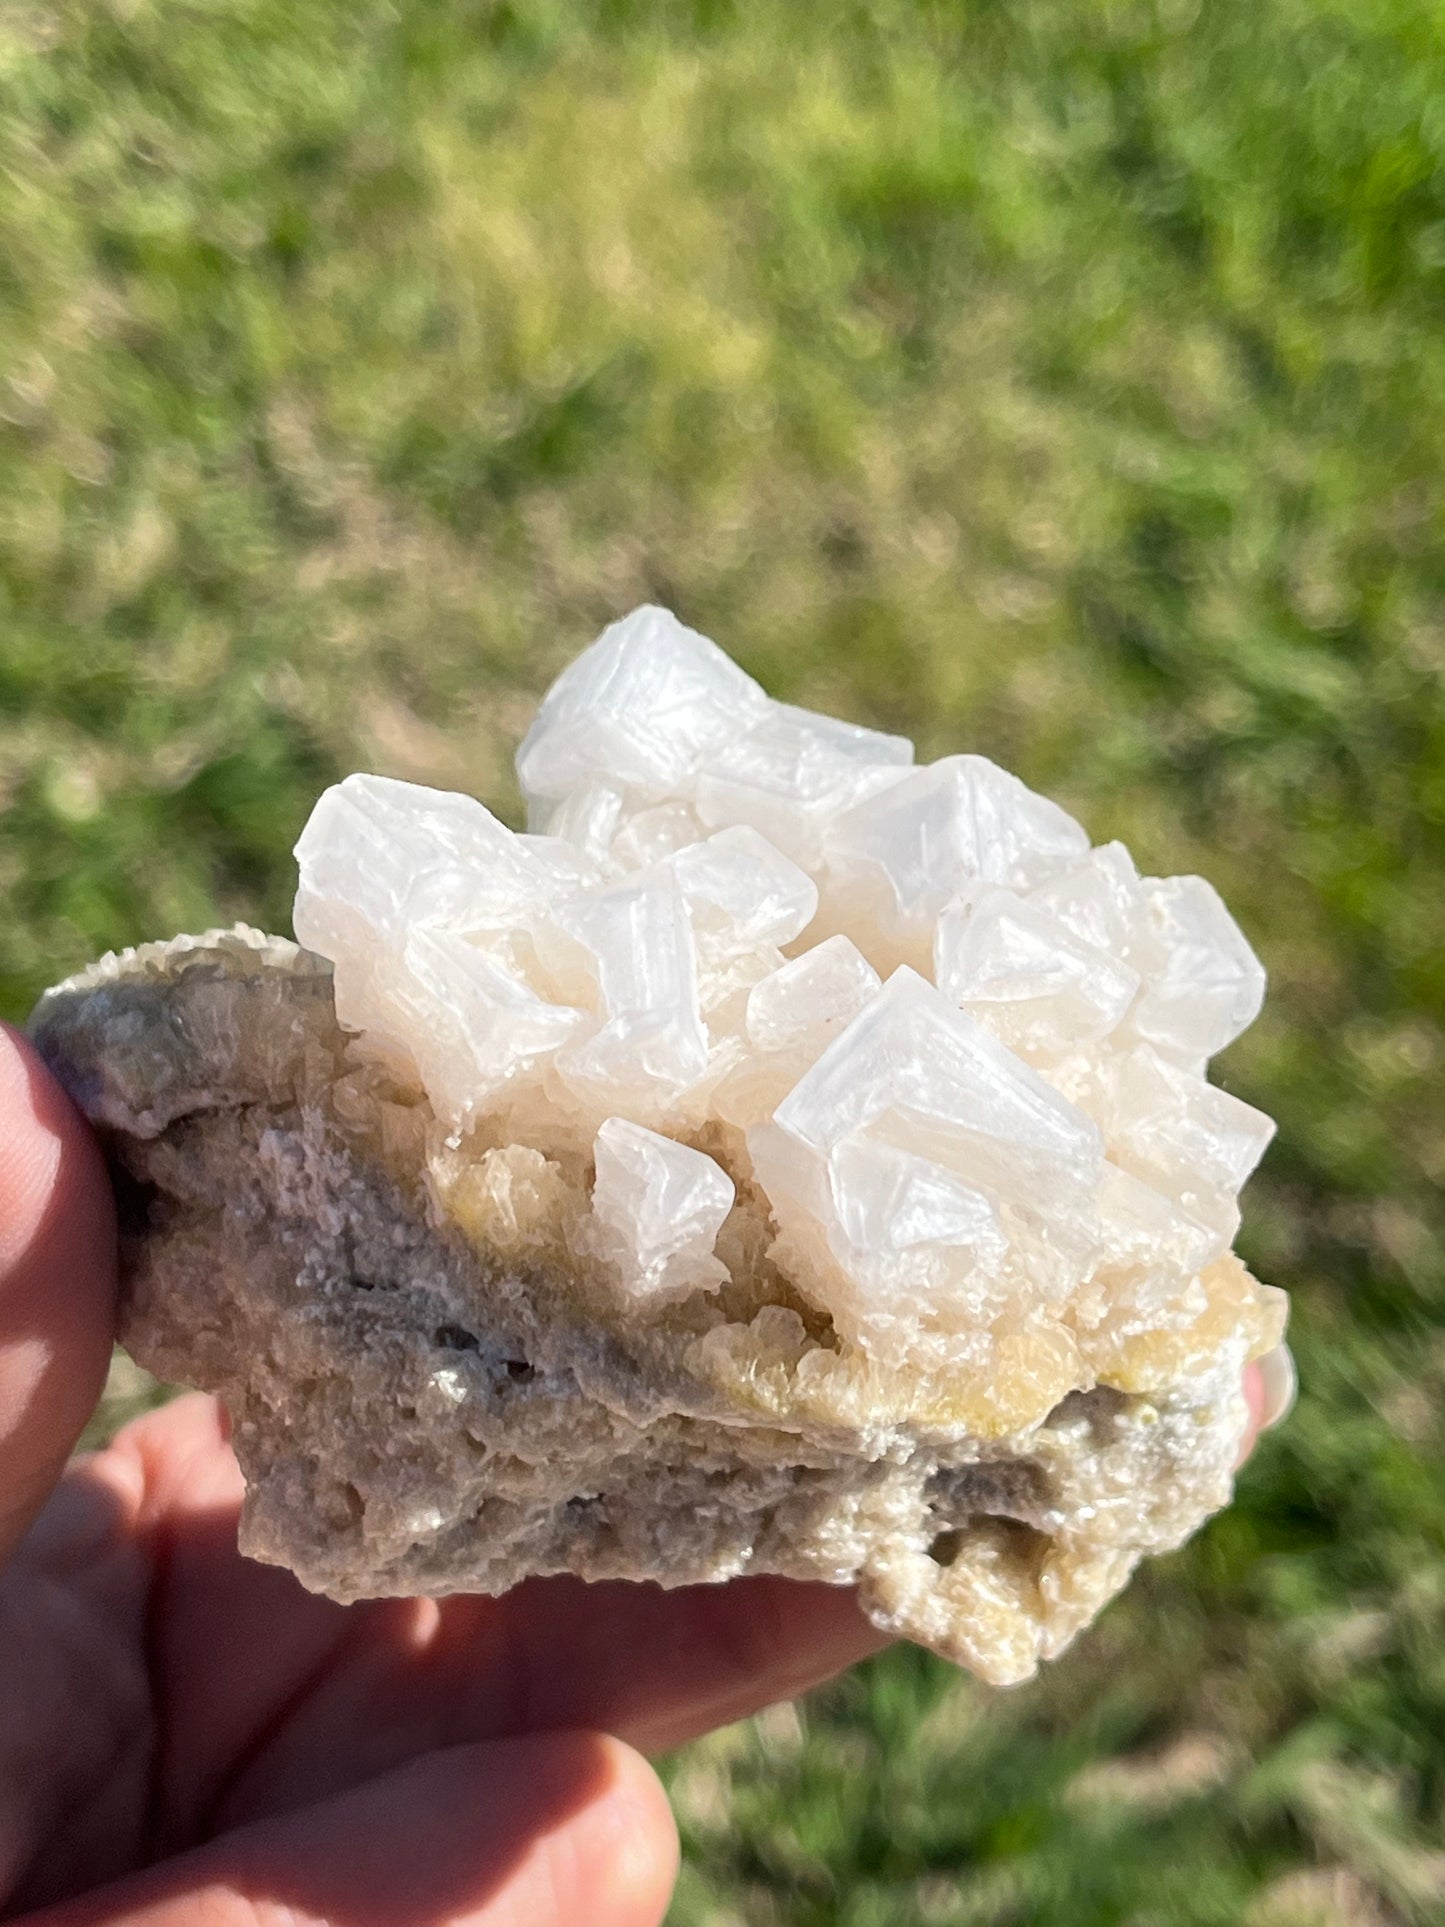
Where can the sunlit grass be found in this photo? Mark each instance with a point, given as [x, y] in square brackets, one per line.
[1062, 382]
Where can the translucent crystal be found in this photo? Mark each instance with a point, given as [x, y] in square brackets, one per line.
[915, 1245]
[741, 889]
[1100, 900]
[789, 1015]
[912, 1056]
[655, 834]
[657, 716]
[1001, 1163]
[474, 1028]
[804, 1002]
[888, 1201]
[641, 710]
[587, 818]
[658, 1207]
[1193, 1141]
[378, 856]
[1147, 1233]
[393, 878]
[947, 1110]
[897, 858]
[792, 772]
[1203, 983]
[636, 942]
[1037, 985]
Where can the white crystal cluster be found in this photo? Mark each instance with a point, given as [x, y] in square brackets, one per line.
[955, 1053]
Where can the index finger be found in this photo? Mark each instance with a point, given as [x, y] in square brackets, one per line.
[57, 1281]
[275, 1698]
[654, 1667]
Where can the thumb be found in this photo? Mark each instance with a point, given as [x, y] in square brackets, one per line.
[57, 1282]
[553, 1830]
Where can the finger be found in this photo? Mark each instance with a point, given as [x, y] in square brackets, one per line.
[1270, 1385]
[1279, 1386]
[566, 1830]
[278, 1697]
[659, 1667]
[301, 1698]
[57, 1282]
[655, 1667]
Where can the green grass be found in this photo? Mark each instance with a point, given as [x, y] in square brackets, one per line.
[1062, 381]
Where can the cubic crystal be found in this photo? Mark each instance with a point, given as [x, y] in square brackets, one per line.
[1032, 981]
[1204, 983]
[637, 941]
[914, 1077]
[1193, 1141]
[801, 1004]
[897, 858]
[743, 891]
[792, 772]
[658, 1207]
[654, 715]
[472, 1026]
[643, 709]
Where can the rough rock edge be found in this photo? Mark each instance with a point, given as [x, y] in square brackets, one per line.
[412, 1417]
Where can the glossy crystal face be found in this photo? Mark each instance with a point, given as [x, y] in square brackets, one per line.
[751, 960]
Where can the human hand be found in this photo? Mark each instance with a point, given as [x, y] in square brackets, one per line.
[185, 1735]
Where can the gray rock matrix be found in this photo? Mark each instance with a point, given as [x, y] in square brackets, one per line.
[415, 1415]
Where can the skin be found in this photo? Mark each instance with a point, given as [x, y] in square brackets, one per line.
[191, 1740]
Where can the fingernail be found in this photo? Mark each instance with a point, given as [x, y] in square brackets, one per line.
[1280, 1382]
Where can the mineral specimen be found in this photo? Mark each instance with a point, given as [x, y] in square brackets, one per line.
[779, 1158]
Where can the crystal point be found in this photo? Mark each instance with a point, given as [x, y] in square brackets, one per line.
[1204, 984]
[642, 709]
[658, 1207]
[898, 857]
[1035, 983]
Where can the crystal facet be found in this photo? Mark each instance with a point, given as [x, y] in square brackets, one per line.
[646, 707]
[659, 1206]
[899, 856]
[1037, 985]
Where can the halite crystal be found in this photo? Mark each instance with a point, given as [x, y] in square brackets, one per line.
[1042, 988]
[901, 856]
[659, 1206]
[949, 1058]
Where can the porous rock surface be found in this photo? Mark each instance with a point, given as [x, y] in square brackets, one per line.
[411, 1418]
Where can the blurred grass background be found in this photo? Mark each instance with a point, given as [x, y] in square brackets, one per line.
[1061, 381]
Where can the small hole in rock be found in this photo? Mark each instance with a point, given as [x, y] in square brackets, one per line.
[1010, 1489]
[453, 1338]
[134, 1198]
[945, 1547]
[350, 1507]
[1099, 1406]
[519, 1369]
